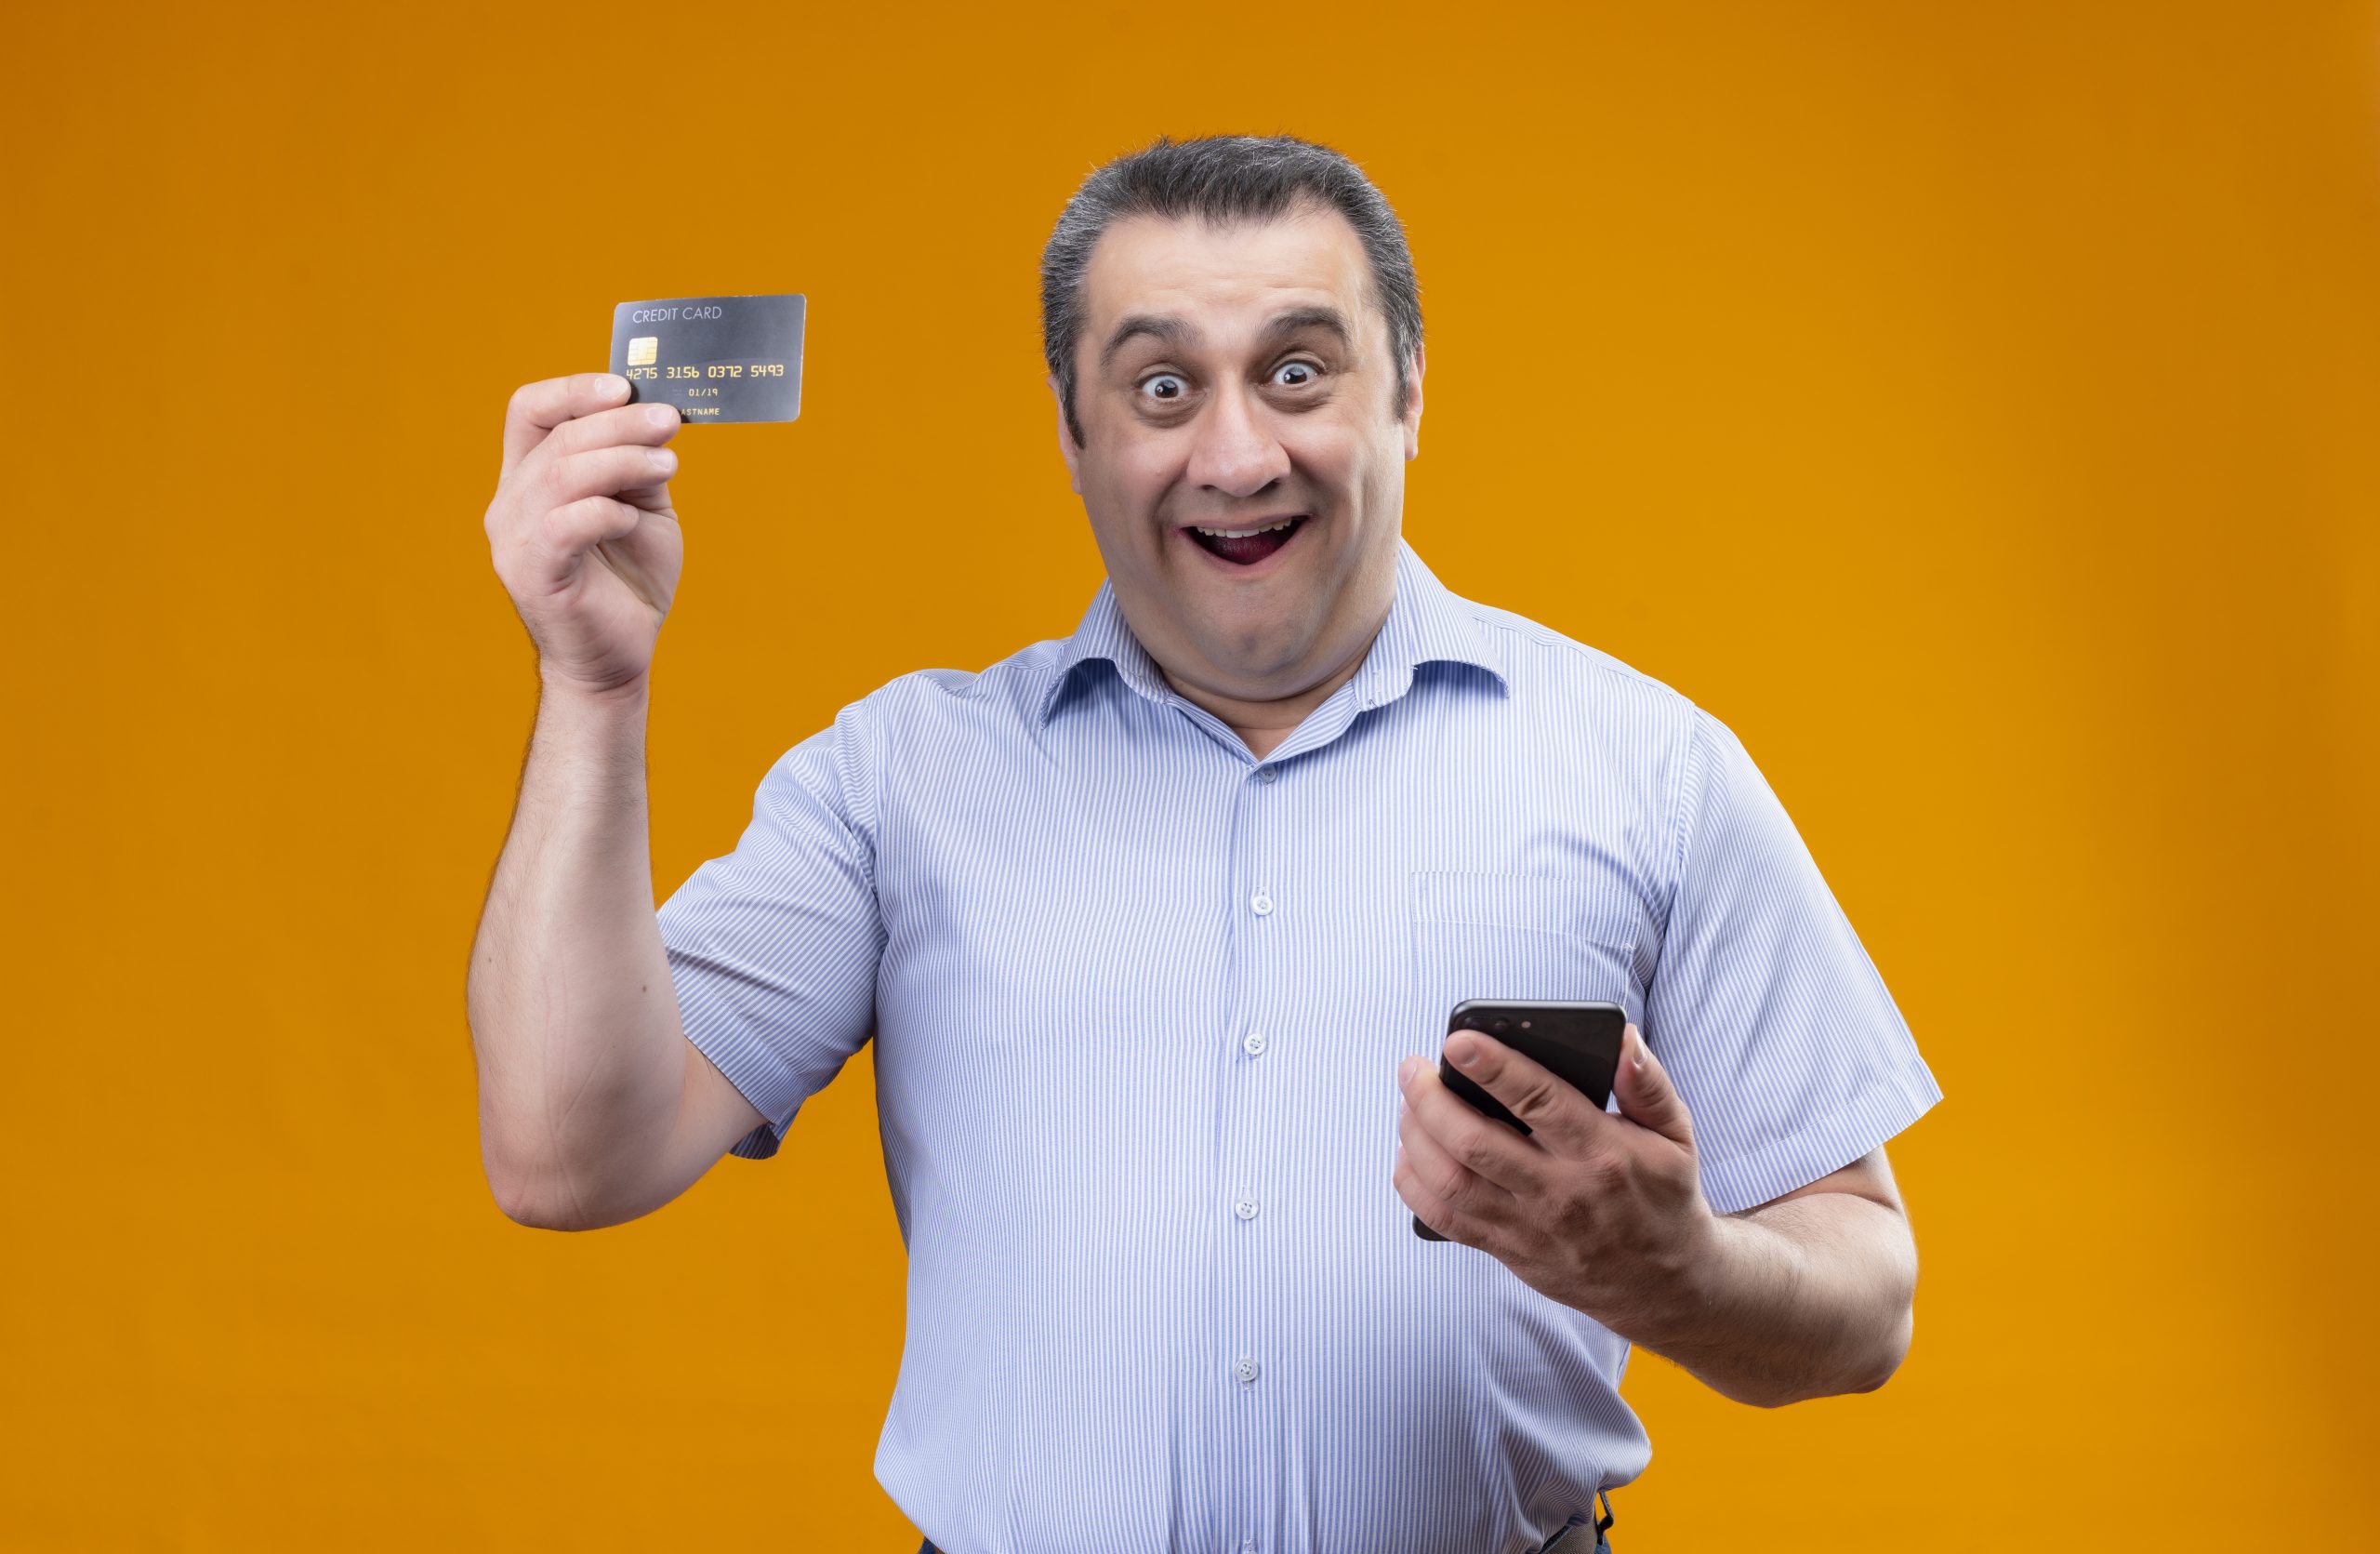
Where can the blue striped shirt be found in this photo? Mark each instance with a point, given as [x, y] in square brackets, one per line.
[1138, 1001]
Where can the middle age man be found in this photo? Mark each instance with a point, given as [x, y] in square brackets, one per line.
[1156, 929]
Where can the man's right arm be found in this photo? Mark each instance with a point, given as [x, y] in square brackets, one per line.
[594, 1107]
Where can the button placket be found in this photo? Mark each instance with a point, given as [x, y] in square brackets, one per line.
[1249, 1134]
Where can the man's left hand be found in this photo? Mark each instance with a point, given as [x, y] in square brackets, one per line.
[1602, 1213]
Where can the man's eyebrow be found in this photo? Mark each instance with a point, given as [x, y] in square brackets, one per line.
[1290, 323]
[1175, 333]
[1171, 331]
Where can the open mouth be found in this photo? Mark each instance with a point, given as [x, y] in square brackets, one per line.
[1246, 547]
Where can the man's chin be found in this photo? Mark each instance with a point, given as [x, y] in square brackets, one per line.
[1260, 658]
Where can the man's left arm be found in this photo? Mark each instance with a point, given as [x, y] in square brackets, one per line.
[1807, 1296]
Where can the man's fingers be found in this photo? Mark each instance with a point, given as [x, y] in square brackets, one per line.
[1646, 1097]
[1448, 1179]
[536, 409]
[568, 465]
[569, 532]
[647, 425]
[1560, 1118]
[1480, 1144]
[605, 473]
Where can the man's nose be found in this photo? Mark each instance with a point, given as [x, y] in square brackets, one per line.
[1233, 450]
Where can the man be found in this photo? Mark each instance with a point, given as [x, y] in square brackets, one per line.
[1157, 927]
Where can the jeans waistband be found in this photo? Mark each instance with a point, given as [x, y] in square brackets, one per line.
[1566, 1540]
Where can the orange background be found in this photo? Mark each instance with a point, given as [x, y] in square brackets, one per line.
[1973, 407]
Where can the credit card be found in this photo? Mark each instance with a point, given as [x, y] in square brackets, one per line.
[715, 358]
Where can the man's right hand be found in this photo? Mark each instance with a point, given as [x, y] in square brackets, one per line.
[581, 529]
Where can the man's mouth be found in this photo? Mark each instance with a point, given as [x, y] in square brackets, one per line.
[1247, 545]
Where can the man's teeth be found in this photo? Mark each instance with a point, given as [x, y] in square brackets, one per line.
[1243, 533]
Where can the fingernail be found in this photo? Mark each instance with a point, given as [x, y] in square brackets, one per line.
[1460, 1050]
[1405, 1073]
[664, 459]
[1636, 1046]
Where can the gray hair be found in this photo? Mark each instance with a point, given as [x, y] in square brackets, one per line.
[1224, 179]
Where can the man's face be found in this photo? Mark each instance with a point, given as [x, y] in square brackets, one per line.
[1231, 378]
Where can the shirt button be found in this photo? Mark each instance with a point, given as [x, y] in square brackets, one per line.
[1245, 1208]
[1260, 903]
[1253, 1042]
[1268, 774]
[1244, 1368]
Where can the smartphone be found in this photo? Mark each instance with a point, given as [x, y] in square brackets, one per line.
[1579, 1040]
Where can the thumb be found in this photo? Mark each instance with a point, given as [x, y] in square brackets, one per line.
[1646, 1097]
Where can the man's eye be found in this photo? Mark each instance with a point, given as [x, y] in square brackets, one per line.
[1305, 371]
[1164, 386]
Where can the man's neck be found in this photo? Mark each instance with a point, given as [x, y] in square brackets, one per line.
[1263, 724]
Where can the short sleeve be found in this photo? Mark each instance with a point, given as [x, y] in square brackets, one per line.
[773, 948]
[1763, 1006]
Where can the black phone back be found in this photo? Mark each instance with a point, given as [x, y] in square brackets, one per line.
[1579, 1040]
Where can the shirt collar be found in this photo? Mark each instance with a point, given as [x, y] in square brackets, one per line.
[1427, 623]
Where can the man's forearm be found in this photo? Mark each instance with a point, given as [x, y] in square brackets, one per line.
[573, 1016]
[1797, 1300]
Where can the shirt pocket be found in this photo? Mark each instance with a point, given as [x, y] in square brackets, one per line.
[1521, 937]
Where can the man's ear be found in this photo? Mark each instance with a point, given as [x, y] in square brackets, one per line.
[1413, 406]
[1067, 449]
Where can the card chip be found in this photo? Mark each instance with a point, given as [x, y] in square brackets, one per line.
[643, 350]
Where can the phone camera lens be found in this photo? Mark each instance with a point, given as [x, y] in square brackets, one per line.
[1499, 1025]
